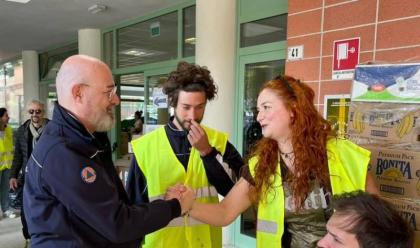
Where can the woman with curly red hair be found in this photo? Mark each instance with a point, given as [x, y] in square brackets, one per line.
[295, 169]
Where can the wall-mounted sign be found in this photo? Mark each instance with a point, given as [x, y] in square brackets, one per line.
[159, 98]
[345, 58]
[336, 109]
[295, 52]
[155, 29]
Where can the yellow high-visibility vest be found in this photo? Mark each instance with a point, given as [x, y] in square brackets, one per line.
[347, 164]
[6, 149]
[162, 169]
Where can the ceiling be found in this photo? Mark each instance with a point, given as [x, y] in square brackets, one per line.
[42, 24]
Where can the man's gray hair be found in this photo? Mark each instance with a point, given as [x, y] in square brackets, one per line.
[37, 102]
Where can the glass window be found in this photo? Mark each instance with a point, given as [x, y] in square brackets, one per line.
[264, 31]
[256, 74]
[155, 115]
[108, 49]
[50, 62]
[149, 41]
[132, 98]
[11, 91]
[188, 30]
[48, 95]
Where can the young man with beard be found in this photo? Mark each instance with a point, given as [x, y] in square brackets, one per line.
[184, 152]
[72, 194]
[26, 138]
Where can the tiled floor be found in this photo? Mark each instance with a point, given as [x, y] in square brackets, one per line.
[11, 233]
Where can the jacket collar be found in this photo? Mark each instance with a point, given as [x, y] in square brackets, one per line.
[79, 136]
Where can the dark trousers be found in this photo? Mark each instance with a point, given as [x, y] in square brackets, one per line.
[25, 231]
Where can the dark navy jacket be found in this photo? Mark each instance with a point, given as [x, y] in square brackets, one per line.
[74, 198]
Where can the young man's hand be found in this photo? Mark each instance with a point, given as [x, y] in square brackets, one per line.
[13, 183]
[198, 139]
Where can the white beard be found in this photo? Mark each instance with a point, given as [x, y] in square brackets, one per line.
[102, 121]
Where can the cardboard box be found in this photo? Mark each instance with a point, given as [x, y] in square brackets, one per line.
[416, 239]
[124, 143]
[384, 123]
[387, 83]
[396, 171]
[409, 210]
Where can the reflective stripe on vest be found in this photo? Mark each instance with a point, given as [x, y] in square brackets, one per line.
[185, 221]
[267, 226]
[199, 193]
[347, 164]
[162, 169]
[6, 149]
[6, 154]
[202, 192]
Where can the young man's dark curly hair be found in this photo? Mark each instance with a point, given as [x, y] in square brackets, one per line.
[374, 221]
[190, 78]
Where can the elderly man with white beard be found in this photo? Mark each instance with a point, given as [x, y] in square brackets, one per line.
[72, 194]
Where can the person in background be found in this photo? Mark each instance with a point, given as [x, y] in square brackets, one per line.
[138, 123]
[294, 170]
[6, 158]
[363, 220]
[73, 196]
[184, 151]
[25, 140]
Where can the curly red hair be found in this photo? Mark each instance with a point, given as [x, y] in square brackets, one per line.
[310, 132]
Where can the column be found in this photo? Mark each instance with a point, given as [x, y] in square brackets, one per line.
[90, 42]
[215, 48]
[30, 66]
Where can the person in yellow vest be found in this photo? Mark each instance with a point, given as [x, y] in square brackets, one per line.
[6, 159]
[186, 152]
[295, 169]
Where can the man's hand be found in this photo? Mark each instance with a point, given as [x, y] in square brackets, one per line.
[175, 192]
[198, 138]
[13, 183]
[184, 194]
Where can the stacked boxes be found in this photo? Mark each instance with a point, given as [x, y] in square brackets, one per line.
[384, 117]
[410, 210]
[384, 123]
[396, 170]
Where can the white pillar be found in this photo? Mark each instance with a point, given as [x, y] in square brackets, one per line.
[215, 48]
[30, 66]
[90, 42]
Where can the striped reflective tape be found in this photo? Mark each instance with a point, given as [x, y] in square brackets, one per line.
[185, 221]
[206, 192]
[7, 162]
[266, 226]
[199, 193]
[6, 153]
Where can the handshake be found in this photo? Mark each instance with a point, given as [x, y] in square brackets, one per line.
[184, 194]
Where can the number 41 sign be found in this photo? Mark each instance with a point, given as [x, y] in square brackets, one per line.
[295, 52]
